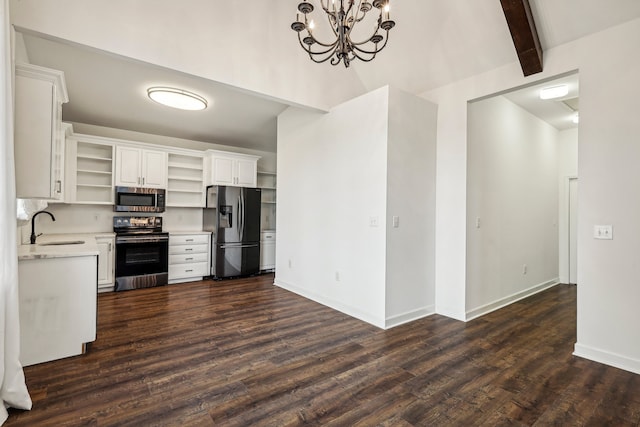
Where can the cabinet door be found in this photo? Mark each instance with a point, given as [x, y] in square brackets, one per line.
[246, 173]
[105, 261]
[128, 167]
[34, 117]
[154, 169]
[222, 171]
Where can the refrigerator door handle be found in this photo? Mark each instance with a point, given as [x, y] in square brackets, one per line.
[237, 246]
[240, 217]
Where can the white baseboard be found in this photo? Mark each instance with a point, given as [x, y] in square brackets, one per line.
[410, 316]
[503, 302]
[336, 305]
[607, 358]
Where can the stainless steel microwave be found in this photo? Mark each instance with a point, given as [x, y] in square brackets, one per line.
[138, 199]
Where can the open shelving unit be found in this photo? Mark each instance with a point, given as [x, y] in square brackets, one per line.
[186, 180]
[94, 173]
[267, 181]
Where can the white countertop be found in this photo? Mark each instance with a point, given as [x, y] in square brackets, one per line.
[177, 233]
[89, 246]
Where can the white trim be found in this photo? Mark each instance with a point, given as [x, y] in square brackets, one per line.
[510, 299]
[346, 309]
[409, 316]
[607, 358]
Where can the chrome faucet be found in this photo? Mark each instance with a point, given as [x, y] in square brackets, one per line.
[33, 224]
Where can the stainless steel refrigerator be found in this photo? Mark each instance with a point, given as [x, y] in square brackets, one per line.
[233, 216]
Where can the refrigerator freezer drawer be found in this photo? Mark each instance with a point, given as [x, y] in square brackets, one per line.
[237, 260]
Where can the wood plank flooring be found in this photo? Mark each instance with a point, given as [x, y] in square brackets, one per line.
[246, 353]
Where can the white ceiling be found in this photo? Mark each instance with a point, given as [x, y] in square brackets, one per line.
[435, 42]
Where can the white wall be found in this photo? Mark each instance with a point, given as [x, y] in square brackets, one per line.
[567, 167]
[607, 294]
[329, 187]
[153, 31]
[512, 190]
[411, 162]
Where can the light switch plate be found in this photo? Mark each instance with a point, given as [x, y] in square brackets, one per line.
[603, 232]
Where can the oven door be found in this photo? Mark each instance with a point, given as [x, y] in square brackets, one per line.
[141, 261]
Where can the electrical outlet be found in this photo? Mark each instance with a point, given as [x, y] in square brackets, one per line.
[603, 232]
[396, 221]
[478, 222]
[373, 221]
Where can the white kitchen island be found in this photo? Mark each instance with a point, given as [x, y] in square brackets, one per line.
[58, 298]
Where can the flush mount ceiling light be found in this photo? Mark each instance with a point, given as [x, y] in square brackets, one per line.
[554, 92]
[177, 98]
[343, 15]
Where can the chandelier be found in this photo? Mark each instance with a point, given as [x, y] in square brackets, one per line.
[343, 15]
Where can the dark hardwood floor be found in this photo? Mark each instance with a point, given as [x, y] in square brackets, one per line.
[247, 353]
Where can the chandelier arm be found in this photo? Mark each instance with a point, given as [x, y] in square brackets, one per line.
[364, 59]
[325, 59]
[320, 52]
[323, 44]
[359, 49]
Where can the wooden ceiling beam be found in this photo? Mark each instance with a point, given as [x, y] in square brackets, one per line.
[524, 34]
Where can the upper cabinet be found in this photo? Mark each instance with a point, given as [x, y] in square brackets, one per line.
[40, 93]
[89, 170]
[136, 167]
[239, 170]
[186, 180]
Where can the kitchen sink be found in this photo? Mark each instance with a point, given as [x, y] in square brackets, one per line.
[63, 242]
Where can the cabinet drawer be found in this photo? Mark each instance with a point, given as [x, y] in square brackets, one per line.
[188, 249]
[188, 239]
[180, 271]
[188, 258]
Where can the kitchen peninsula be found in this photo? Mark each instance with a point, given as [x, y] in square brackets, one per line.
[58, 297]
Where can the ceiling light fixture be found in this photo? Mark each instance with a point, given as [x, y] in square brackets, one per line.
[554, 92]
[177, 98]
[342, 20]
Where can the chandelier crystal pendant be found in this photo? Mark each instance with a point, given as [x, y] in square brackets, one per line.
[343, 15]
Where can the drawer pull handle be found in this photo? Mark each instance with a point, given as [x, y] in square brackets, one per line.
[188, 240]
[189, 259]
[188, 271]
[188, 249]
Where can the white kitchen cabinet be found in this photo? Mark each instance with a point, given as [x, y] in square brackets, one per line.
[39, 95]
[267, 250]
[106, 255]
[58, 301]
[267, 183]
[186, 180]
[136, 167]
[234, 169]
[89, 170]
[189, 256]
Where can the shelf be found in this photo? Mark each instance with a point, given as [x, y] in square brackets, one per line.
[270, 202]
[267, 173]
[184, 191]
[94, 172]
[94, 185]
[184, 166]
[91, 157]
[185, 178]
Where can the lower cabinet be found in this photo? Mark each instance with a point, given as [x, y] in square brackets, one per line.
[189, 256]
[106, 248]
[267, 250]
